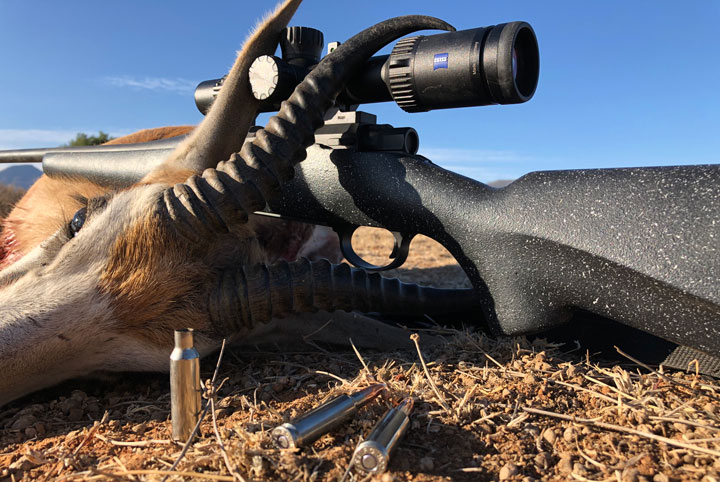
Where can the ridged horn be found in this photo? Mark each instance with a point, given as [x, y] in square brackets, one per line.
[223, 197]
[225, 126]
[249, 295]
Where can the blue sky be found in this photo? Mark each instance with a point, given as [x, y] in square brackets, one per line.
[621, 83]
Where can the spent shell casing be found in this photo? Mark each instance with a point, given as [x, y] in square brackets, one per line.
[185, 390]
[373, 454]
[310, 426]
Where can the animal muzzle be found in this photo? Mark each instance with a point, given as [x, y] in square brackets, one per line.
[34, 260]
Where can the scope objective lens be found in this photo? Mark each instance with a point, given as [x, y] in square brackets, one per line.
[482, 66]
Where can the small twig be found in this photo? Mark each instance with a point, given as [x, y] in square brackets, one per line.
[211, 396]
[619, 392]
[58, 467]
[217, 365]
[138, 443]
[193, 475]
[683, 421]
[186, 447]
[501, 366]
[679, 408]
[91, 432]
[701, 440]
[597, 464]
[465, 398]
[594, 393]
[486, 417]
[518, 420]
[122, 465]
[340, 379]
[664, 377]
[357, 353]
[272, 410]
[415, 337]
[347, 471]
[233, 471]
[307, 337]
[518, 374]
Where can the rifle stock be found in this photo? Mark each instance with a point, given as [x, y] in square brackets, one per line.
[637, 245]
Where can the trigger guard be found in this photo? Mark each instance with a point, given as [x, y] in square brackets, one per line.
[399, 254]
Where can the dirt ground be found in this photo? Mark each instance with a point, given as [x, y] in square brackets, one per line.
[485, 409]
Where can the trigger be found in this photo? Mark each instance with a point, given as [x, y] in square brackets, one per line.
[401, 246]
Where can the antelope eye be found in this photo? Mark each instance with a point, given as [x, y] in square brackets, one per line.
[77, 222]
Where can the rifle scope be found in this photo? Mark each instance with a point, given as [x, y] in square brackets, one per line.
[498, 64]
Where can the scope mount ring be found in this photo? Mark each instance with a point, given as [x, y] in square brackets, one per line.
[399, 254]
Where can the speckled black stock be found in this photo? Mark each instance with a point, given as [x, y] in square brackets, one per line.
[636, 245]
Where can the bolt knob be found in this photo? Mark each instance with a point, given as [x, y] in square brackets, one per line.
[302, 46]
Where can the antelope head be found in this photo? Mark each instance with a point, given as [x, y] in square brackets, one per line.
[106, 289]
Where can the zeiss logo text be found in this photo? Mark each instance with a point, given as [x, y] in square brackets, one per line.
[440, 61]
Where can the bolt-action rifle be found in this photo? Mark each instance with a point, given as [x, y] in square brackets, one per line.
[640, 246]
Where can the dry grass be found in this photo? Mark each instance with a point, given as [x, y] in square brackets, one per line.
[9, 195]
[508, 409]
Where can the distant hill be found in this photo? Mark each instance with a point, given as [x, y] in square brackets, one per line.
[500, 182]
[20, 176]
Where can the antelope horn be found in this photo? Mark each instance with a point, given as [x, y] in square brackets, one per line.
[248, 295]
[225, 126]
[223, 197]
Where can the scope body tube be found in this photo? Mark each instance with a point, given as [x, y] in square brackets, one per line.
[498, 64]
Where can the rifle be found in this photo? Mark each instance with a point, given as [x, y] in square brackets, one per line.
[635, 245]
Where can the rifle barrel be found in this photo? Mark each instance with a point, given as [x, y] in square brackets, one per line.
[23, 155]
[37, 154]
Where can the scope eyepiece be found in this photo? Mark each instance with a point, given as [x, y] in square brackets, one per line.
[512, 62]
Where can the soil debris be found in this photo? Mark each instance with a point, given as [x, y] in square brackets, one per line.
[485, 409]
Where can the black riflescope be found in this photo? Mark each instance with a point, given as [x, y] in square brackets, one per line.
[498, 64]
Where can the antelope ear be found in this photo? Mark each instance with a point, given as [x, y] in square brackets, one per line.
[225, 126]
[149, 135]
